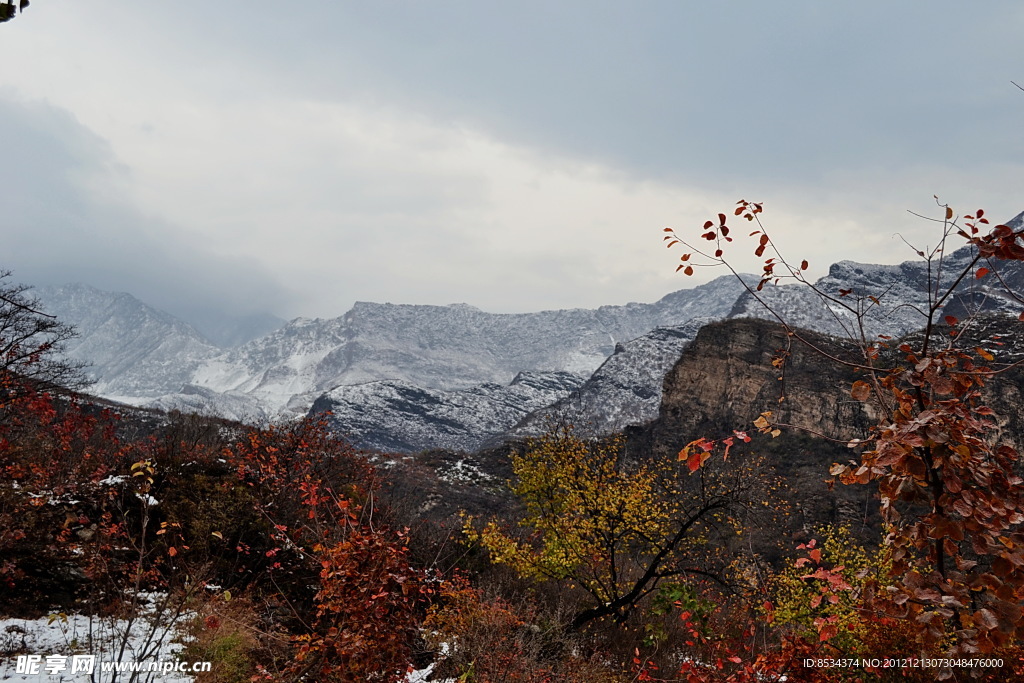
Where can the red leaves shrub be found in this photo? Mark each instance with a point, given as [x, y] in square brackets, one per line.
[368, 609]
[78, 515]
[317, 495]
[60, 517]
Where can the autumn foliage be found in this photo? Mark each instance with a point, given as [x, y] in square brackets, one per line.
[317, 496]
[616, 529]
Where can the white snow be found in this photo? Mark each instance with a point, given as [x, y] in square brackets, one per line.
[421, 676]
[145, 639]
[464, 472]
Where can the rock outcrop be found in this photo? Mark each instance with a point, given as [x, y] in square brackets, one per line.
[725, 379]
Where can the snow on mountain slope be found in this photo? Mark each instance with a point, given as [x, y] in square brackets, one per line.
[144, 356]
[625, 390]
[441, 347]
[397, 416]
[136, 352]
[231, 405]
[901, 289]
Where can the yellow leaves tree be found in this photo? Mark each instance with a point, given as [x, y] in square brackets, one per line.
[616, 528]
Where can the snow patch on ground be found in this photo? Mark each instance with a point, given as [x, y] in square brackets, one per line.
[144, 639]
[423, 676]
[464, 471]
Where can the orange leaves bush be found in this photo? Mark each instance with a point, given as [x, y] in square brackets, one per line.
[58, 519]
[950, 492]
[317, 495]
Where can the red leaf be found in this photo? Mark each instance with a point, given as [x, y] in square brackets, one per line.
[860, 391]
[982, 272]
[986, 619]
[803, 265]
[693, 462]
[951, 320]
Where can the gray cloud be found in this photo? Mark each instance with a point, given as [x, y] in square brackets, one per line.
[248, 155]
[709, 91]
[63, 223]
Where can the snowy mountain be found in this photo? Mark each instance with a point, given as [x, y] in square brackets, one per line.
[136, 352]
[408, 377]
[396, 416]
[144, 356]
[440, 347]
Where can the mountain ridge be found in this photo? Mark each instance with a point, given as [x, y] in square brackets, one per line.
[283, 372]
[622, 351]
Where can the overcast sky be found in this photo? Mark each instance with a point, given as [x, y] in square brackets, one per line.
[295, 157]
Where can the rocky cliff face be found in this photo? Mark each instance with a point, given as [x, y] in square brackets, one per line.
[726, 376]
[725, 379]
